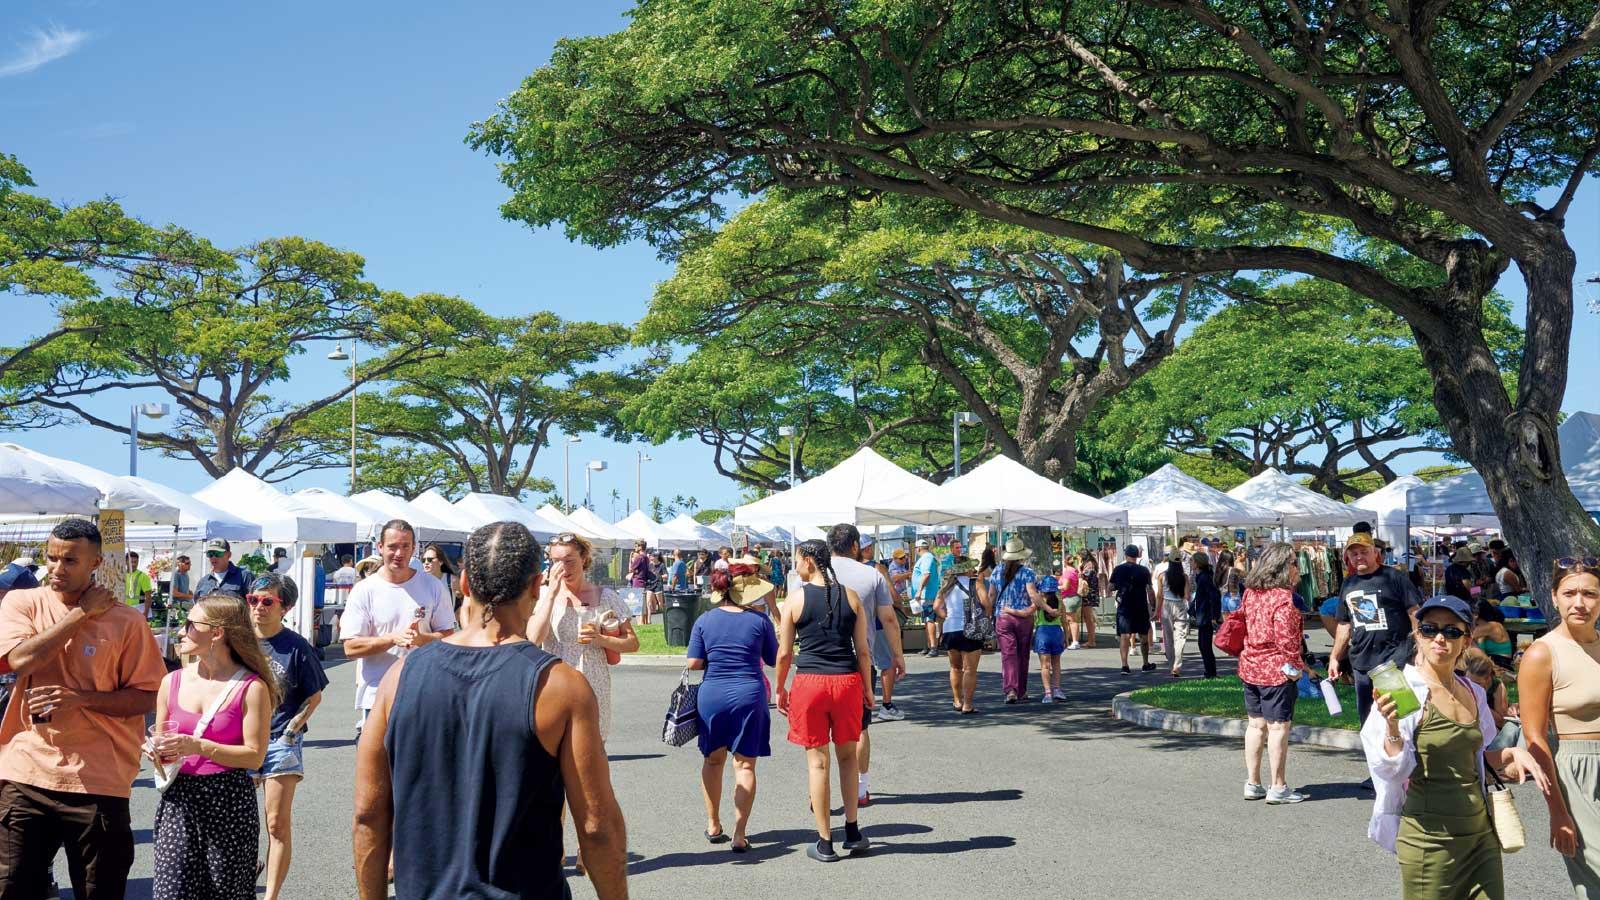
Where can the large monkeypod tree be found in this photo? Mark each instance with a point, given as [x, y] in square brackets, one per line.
[1456, 134]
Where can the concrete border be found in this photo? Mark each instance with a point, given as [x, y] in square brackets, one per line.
[657, 662]
[1193, 723]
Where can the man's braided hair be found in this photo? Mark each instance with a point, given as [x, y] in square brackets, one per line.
[501, 560]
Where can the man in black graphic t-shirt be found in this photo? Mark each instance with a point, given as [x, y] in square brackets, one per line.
[1377, 612]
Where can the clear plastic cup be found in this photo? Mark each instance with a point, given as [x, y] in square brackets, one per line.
[161, 735]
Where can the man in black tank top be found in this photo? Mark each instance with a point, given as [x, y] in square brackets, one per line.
[476, 811]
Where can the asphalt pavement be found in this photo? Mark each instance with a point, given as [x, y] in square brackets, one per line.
[1020, 801]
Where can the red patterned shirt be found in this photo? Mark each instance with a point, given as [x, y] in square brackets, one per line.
[1273, 629]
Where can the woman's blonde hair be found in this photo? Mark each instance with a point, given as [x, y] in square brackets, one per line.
[1478, 666]
[229, 616]
[584, 545]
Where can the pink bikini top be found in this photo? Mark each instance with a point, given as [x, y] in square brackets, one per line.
[226, 727]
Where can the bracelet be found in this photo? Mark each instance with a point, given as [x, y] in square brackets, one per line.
[1394, 737]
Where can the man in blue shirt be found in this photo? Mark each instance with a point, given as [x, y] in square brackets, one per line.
[678, 572]
[924, 589]
[224, 575]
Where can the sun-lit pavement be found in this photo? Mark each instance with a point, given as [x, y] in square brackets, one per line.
[1022, 801]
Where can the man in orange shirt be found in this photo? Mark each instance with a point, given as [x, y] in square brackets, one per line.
[88, 671]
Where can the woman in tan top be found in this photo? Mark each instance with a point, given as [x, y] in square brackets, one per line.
[1558, 688]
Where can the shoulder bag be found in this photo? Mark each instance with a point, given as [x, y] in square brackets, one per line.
[1504, 816]
[978, 626]
[1230, 637]
[165, 777]
[683, 713]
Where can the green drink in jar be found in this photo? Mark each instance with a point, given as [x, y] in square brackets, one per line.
[1390, 681]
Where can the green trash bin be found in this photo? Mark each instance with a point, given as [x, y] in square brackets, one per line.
[679, 610]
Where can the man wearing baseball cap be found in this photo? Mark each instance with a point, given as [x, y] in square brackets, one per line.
[924, 590]
[1377, 613]
[224, 575]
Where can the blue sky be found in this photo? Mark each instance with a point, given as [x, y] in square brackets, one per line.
[344, 122]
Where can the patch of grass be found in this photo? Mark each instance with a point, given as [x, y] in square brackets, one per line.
[653, 640]
[1225, 697]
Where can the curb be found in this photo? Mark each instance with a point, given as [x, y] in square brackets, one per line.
[1220, 726]
[656, 662]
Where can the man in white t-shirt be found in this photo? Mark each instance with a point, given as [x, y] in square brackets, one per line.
[389, 613]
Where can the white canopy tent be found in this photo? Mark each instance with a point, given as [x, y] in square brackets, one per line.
[864, 481]
[31, 487]
[429, 527]
[138, 505]
[1466, 496]
[705, 537]
[589, 522]
[769, 535]
[432, 501]
[485, 508]
[338, 506]
[1299, 506]
[197, 521]
[1389, 507]
[1168, 498]
[642, 527]
[1001, 493]
[608, 540]
[283, 519]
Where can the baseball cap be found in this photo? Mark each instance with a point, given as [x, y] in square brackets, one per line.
[1360, 538]
[899, 553]
[1454, 605]
[922, 545]
[218, 544]
[1208, 541]
[1131, 550]
[1048, 585]
[25, 562]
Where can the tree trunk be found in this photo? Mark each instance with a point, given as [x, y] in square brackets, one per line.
[1514, 448]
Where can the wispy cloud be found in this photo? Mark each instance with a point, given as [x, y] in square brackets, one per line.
[42, 47]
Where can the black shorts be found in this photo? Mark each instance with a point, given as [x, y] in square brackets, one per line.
[1133, 621]
[1275, 704]
[959, 643]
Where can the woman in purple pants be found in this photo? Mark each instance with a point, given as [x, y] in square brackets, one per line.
[1015, 602]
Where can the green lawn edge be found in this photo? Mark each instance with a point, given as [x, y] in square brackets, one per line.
[653, 640]
[1225, 697]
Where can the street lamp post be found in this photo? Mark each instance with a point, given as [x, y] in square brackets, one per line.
[957, 420]
[595, 465]
[788, 432]
[338, 355]
[150, 411]
[638, 478]
[566, 472]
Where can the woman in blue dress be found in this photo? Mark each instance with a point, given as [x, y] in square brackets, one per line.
[731, 643]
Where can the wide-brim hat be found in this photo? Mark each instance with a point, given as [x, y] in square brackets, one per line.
[1015, 550]
[747, 589]
[899, 553]
[963, 565]
[1462, 556]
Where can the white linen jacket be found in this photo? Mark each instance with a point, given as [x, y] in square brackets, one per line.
[1391, 774]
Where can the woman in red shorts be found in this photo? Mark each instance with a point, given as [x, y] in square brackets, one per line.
[832, 693]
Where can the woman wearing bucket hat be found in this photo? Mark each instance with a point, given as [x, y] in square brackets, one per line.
[1427, 762]
[731, 643]
[1016, 599]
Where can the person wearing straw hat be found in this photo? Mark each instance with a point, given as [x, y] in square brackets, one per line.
[731, 643]
[1016, 599]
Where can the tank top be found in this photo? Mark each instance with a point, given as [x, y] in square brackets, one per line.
[477, 798]
[1575, 684]
[226, 727]
[827, 643]
[1447, 780]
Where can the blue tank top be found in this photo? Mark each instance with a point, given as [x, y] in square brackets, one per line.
[477, 799]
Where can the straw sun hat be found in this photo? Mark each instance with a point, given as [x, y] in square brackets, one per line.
[1015, 550]
[748, 586]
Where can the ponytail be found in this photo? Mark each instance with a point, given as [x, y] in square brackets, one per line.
[822, 557]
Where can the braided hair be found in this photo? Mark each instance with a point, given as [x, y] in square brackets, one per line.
[501, 559]
[819, 554]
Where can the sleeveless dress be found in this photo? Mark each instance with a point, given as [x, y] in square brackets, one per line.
[565, 622]
[206, 832]
[1446, 845]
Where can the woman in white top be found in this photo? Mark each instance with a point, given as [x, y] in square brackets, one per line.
[586, 625]
[1172, 582]
[965, 590]
[1427, 768]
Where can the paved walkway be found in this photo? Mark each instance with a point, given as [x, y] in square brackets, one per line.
[1023, 801]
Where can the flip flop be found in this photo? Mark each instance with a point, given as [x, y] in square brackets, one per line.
[720, 837]
[741, 848]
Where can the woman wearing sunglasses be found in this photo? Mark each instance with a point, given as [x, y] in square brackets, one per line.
[1428, 768]
[301, 679]
[206, 823]
[1558, 690]
[437, 563]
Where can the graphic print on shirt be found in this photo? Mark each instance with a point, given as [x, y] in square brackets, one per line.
[1366, 614]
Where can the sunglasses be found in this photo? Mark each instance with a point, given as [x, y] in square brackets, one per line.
[1431, 631]
[189, 625]
[216, 554]
[261, 600]
[1572, 562]
[429, 560]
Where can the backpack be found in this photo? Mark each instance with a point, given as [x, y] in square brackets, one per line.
[978, 626]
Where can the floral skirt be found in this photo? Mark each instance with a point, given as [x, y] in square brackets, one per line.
[206, 838]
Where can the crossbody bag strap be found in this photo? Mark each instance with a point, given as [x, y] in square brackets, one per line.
[217, 703]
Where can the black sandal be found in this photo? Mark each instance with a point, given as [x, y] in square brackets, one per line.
[720, 837]
[741, 848]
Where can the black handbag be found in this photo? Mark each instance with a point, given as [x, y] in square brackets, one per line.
[978, 626]
[683, 714]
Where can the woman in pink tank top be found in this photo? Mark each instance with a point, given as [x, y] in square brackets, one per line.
[206, 824]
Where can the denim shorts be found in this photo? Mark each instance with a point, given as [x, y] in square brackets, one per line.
[284, 757]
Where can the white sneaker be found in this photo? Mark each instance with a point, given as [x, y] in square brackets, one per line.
[1253, 791]
[1073, 646]
[1286, 794]
[890, 712]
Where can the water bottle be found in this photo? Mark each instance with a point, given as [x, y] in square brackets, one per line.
[1330, 696]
